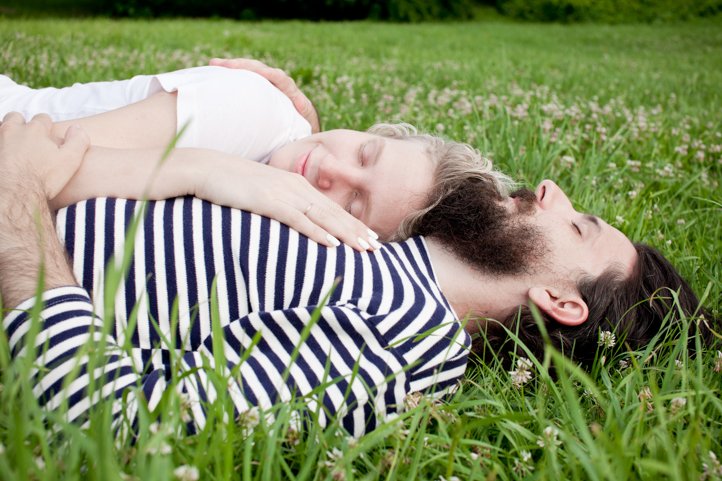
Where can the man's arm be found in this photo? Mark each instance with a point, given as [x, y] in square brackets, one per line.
[282, 81]
[34, 168]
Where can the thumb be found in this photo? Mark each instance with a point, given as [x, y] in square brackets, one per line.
[76, 142]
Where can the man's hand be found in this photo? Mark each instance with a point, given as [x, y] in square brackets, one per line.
[33, 168]
[281, 80]
[29, 154]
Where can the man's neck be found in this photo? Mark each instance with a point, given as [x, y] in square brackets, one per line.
[474, 293]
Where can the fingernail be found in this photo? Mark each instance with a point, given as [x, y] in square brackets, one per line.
[373, 234]
[363, 243]
[374, 243]
[334, 242]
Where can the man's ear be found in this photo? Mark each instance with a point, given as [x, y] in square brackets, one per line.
[566, 308]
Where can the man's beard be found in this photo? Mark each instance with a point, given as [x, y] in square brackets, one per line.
[477, 228]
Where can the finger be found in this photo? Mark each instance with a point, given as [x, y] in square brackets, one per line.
[342, 225]
[43, 120]
[13, 118]
[76, 142]
[240, 63]
[282, 81]
[296, 220]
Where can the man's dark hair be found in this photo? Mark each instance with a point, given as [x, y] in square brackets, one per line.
[635, 309]
[470, 221]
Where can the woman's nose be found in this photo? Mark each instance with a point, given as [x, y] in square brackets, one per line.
[334, 174]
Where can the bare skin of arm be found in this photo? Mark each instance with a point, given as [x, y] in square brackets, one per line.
[129, 143]
[212, 176]
[34, 169]
[148, 124]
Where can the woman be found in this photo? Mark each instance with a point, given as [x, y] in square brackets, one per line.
[242, 118]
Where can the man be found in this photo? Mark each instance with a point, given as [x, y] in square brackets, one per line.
[351, 351]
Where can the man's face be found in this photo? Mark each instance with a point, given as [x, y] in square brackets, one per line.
[535, 234]
[577, 243]
[378, 180]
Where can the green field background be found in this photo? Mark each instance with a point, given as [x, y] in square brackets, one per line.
[627, 119]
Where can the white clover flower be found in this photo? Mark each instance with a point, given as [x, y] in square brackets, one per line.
[412, 400]
[523, 373]
[523, 466]
[293, 437]
[623, 364]
[549, 438]
[678, 364]
[632, 194]
[162, 448]
[567, 160]
[186, 473]
[40, 463]
[681, 222]
[718, 362]
[524, 363]
[334, 456]
[634, 165]
[185, 406]
[677, 404]
[713, 469]
[249, 418]
[645, 399]
[607, 339]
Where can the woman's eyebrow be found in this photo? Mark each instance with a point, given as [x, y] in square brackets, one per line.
[379, 145]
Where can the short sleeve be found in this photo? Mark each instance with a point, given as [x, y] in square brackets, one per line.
[234, 111]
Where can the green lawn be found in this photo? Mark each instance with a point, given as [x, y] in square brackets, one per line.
[627, 119]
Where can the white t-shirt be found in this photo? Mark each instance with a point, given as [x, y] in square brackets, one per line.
[234, 111]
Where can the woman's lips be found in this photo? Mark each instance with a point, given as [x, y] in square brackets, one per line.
[301, 164]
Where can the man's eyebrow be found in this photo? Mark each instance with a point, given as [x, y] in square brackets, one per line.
[593, 219]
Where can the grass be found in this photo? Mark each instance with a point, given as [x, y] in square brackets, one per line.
[625, 118]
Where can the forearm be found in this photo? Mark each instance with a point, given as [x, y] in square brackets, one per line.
[29, 247]
[137, 174]
[150, 123]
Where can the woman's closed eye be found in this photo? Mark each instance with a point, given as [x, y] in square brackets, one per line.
[362, 154]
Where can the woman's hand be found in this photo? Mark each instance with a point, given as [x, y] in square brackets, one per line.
[281, 80]
[220, 178]
[286, 197]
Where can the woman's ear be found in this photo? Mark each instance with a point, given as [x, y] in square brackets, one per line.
[566, 308]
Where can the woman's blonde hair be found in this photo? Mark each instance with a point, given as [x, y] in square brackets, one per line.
[455, 163]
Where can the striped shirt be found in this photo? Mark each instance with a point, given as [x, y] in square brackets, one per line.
[349, 333]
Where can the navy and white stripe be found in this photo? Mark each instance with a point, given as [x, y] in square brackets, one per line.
[269, 280]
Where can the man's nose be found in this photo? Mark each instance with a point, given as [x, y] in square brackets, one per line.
[551, 196]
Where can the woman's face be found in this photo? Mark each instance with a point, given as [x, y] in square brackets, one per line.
[377, 179]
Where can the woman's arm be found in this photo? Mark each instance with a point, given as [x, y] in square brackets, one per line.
[148, 124]
[217, 177]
